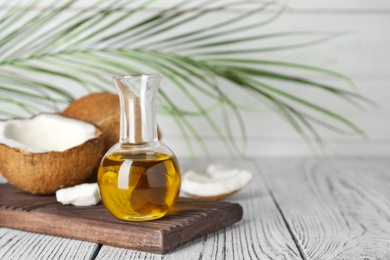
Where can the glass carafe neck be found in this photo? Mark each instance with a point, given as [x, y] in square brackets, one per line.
[137, 95]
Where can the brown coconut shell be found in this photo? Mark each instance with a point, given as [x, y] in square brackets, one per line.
[215, 198]
[45, 173]
[101, 109]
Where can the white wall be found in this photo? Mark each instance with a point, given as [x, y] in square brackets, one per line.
[363, 55]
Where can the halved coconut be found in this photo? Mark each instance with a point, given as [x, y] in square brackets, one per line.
[217, 182]
[47, 152]
[101, 109]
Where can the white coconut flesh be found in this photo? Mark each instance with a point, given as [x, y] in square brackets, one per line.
[86, 194]
[45, 132]
[217, 180]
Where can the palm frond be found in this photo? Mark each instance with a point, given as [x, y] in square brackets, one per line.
[50, 50]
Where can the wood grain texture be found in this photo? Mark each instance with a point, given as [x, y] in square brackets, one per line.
[294, 209]
[191, 218]
[262, 234]
[21, 245]
[335, 209]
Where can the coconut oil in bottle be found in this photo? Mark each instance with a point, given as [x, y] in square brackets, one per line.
[142, 188]
[139, 177]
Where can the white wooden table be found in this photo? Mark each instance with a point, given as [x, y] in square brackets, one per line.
[293, 209]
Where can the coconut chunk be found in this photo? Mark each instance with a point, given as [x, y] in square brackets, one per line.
[2, 179]
[45, 132]
[86, 194]
[216, 182]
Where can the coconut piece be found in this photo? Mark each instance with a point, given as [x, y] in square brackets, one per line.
[2, 179]
[86, 194]
[47, 152]
[217, 182]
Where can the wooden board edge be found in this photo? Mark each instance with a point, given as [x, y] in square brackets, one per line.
[51, 224]
[178, 238]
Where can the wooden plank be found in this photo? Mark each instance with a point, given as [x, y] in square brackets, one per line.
[335, 209]
[191, 218]
[261, 234]
[21, 245]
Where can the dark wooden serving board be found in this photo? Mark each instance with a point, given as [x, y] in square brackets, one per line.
[191, 218]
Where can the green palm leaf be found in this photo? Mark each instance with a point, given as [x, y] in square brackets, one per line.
[46, 54]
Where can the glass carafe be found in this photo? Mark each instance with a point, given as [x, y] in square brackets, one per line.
[139, 177]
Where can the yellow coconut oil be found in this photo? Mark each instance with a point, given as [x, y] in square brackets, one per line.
[141, 187]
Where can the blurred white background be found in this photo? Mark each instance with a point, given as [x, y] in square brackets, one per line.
[363, 54]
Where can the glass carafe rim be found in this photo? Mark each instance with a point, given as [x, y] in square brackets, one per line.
[133, 75]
